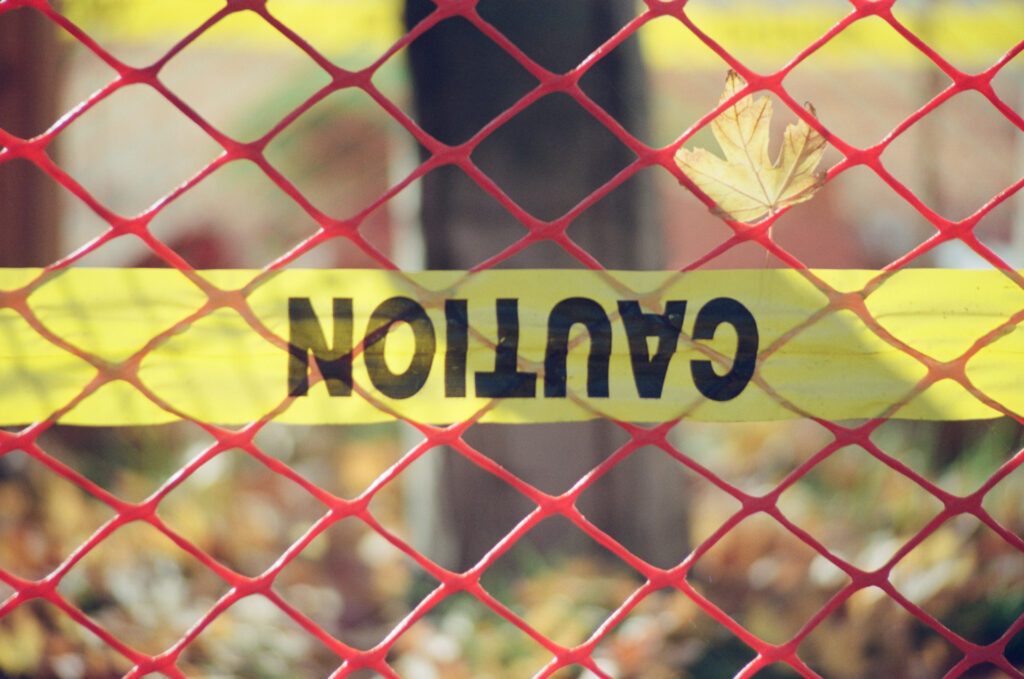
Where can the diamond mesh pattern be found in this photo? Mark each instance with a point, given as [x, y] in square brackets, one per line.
[240, 582]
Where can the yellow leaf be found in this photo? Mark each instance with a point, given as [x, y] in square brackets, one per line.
[746, 185]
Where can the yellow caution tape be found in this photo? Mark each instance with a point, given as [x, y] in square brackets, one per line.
[142, 346]
[763, 35]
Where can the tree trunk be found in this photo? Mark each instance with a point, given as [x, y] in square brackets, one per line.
[28, 103]
[547, 159]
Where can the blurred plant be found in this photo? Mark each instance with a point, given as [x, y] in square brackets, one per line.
[147, 592]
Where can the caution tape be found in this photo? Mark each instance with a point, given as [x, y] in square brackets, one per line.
[143, 346]
[968, 33]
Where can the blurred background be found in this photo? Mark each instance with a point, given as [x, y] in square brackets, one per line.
[340, 154]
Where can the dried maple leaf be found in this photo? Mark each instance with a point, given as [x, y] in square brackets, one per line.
[747, 185]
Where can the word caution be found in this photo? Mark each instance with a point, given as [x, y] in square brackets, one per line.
[308, 338]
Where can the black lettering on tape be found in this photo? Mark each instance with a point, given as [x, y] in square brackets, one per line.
[306, 335]
[389, 312]
[649, 371]
[714, 313]
[457, 345]
[506, 381]
[567, 313]
[334, 360]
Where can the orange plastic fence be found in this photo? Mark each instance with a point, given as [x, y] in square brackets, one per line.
[351, 660]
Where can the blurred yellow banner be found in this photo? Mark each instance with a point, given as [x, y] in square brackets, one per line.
[141, 346]
[970, 34]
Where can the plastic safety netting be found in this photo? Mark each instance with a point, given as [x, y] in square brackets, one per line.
[818, 548]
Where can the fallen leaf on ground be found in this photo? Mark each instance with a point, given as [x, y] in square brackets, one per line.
[747, 185]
